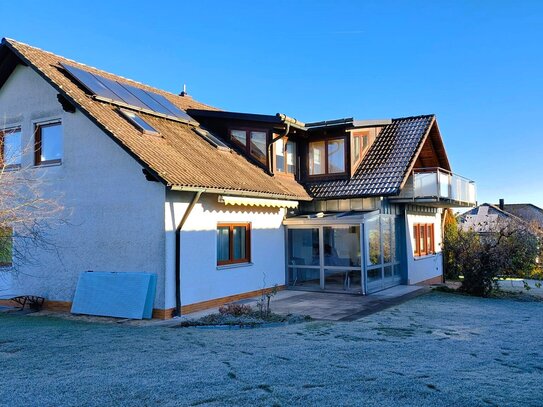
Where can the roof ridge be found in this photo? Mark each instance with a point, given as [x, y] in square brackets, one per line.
[420, 116]
[11, 40]
[524, 204]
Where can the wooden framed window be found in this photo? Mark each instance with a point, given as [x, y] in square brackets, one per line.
[253, 141]
[6, 247]
[285, 156]
[233, 243]
[423, 235]
[327, 157]
[48, 143]
[10, 148]
[360, 142]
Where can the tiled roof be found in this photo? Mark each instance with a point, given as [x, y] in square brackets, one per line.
[180, 157]
[386, 164]
[527, 212]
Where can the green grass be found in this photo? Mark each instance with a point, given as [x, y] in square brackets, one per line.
[436, 350]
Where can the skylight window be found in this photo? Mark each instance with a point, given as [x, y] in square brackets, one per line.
[137, 121]
[211, 139]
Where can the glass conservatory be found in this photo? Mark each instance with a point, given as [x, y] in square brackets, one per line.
[353, 252]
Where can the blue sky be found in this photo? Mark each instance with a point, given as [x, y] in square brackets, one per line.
[477, 65]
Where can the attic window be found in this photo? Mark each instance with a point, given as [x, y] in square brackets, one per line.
[253, 141]
[360, 142]
[137, 121]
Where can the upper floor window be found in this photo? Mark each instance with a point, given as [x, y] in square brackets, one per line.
[360, 142]
[423, 233]
[48, 144]
[255, 142]
[10, 148]
[327, 157]
[6, 247]
[285, 156]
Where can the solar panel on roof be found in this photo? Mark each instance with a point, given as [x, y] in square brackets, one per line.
[170, 106]
[125, 94]
[148, 100]
[90, 82]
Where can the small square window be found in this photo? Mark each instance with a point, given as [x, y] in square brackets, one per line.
[48, 144]
[10, 148]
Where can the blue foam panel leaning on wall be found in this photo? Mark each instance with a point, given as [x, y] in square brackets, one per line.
[112, 294]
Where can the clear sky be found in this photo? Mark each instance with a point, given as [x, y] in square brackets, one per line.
[478, 65]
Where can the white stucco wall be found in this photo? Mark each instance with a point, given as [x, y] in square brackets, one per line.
[116, 216]
[201, 279]
[425, 267]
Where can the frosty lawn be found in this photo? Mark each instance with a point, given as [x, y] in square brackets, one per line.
[439, 349]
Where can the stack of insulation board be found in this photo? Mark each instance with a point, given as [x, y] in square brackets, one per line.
[111, 294]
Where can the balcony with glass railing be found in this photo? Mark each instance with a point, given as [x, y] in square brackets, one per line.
[438, 187]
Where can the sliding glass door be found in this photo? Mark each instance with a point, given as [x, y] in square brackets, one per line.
[325, 258]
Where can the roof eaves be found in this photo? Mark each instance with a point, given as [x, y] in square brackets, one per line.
[329, 123]
[241, 192]
[221, 114]
[371, 123]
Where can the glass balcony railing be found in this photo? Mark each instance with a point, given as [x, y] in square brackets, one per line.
[441, 184]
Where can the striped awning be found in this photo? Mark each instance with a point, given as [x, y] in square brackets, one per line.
[247, 201]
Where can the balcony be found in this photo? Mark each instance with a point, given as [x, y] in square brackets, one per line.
[438, 187]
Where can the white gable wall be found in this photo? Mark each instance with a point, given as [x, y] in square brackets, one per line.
[201, 279]
[115, 216]
[424, 267]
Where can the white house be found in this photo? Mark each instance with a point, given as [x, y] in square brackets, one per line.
[217, 204]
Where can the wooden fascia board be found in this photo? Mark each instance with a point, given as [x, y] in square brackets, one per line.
[439, 140]
[414, 158]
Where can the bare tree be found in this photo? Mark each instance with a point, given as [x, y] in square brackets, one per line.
[27, 213]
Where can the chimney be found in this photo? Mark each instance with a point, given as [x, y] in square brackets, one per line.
[502, 204]
[184, 92]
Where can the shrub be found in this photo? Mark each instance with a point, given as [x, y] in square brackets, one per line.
[235, 310]
[502, 251]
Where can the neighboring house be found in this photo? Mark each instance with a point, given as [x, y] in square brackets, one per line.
[487, 217]
[529, 213]
[220, 205]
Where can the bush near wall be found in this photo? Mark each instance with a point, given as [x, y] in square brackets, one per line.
[480, 258]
